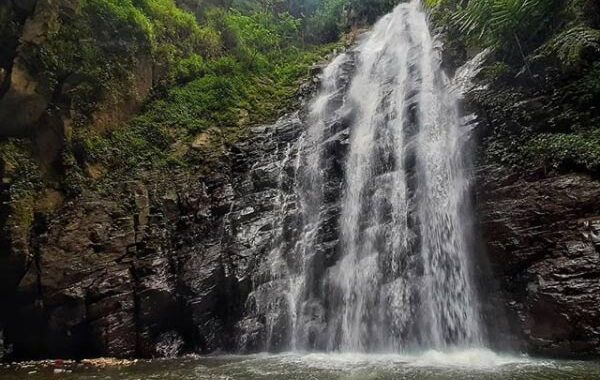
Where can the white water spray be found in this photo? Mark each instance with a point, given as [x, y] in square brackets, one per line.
[397, 275]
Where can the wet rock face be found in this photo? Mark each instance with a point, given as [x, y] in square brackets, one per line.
[280, 225]
[152, 269]
[106, 277]
[542, 234]
[157, 267]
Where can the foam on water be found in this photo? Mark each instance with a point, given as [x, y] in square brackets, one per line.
[471, 358]
[460, 365]
[457, 364]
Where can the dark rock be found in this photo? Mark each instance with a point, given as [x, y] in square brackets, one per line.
[25, 5]
[541, 237]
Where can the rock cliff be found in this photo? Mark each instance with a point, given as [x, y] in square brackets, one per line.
[539, 218]
[542, 237]
[163, 265]
[169, 263]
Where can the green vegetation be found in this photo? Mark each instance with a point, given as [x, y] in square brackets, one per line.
[188, 84]
[229, 66]
[324, 20]
[521, 30]
[566, 150]
[335, 16]
[132, 86]
[513, 28]
[571, 47]
[136, 85]
[578, 143]
[502, 22]
[16, 162]
[544, 50]
[254, 79]
[494, 71]
[93, 53]
[24, 174]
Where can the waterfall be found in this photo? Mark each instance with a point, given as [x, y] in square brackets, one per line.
[374, 251]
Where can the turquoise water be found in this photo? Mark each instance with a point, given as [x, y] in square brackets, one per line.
[474, 364]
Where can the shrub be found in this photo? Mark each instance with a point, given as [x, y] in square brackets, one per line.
[573, 48]
[562, 150]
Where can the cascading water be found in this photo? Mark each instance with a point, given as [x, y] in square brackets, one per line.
[376, 255]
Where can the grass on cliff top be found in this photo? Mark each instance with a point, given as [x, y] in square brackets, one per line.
[212, 74]
[220, 103]
[253, 81]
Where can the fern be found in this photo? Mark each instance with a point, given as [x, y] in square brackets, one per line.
[569, 46]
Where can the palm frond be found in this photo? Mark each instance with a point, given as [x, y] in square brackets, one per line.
[496, 19]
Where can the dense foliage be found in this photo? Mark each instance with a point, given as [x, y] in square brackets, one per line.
[543, 49]
[324, 20]
[236, 64]
[214, 68]
[247, 73]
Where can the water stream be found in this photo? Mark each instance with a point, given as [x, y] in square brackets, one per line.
[432, 365]
[378, 256]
